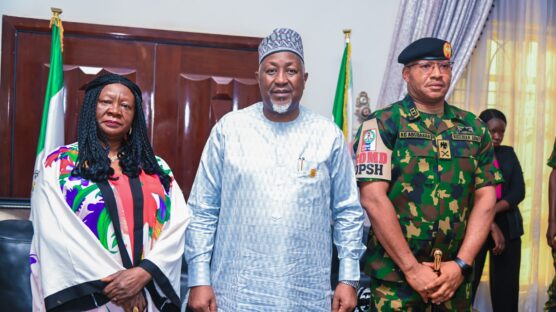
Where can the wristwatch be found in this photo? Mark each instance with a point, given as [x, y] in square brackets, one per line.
[466, 269]
[354, 284]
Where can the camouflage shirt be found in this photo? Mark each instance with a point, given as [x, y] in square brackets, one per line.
[434, 165]
[552, 159]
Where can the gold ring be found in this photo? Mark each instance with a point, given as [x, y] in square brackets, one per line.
[554, 238]
[135, 309]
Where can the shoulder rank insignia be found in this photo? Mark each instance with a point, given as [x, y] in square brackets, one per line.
[414, 113]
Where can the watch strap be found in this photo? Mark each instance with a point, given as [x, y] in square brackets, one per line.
[465, 268]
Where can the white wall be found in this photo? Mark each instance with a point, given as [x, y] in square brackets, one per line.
[320, 23]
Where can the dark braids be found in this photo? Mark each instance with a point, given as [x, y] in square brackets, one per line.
[136, 152]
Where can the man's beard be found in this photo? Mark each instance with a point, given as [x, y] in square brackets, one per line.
[281, 108]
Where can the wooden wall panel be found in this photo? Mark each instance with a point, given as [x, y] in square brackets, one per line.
[211, 82]
[188, 80]
[84, 59]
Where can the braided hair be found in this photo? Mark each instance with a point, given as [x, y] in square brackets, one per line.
[136, 152]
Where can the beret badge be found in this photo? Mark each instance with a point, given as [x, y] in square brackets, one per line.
[447, 50]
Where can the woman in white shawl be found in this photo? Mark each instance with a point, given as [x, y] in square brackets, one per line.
[108, 216]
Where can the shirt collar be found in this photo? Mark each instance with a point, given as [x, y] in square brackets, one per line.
[410, 111]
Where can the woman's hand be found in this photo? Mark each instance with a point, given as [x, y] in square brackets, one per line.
[137, 303]
[499, 240]
[551, 235]
[125, 284]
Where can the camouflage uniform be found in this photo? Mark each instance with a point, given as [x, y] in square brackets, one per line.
[550, 305]
[434, 165]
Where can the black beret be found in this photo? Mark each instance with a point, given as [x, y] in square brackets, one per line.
[426, 49]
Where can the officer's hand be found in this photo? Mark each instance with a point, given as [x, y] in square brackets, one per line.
[202, 299]
[499, 240]
[418, 277]
[447, 283]
[345, 298]
[551, 235]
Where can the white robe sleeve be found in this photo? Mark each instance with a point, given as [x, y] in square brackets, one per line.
[204, 201]
[347, 213]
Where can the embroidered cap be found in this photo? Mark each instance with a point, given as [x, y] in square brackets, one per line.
[426, 49]
[280, 40]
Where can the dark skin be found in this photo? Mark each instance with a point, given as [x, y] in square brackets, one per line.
[427, 87]
[427, 84]
[497, 129]
[281, 79]
[381, 212]
[115, 112]
[124, 288]
[551, 231]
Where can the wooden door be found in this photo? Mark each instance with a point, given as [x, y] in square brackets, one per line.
[208, 85]
[188, 81]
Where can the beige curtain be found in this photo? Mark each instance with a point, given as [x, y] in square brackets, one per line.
[513, 69]
[459, 22]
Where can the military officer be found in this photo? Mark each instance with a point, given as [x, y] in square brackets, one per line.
[550, 305]
[426, 177]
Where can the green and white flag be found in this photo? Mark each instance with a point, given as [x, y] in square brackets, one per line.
[342, 111]
[52, 125]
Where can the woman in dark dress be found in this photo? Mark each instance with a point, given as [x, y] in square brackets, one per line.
[504, 241]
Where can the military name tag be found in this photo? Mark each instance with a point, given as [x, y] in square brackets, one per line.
[444, 149]
[466, 137]
[415, 135]
[465, 129]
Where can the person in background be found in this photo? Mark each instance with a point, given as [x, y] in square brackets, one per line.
[504, 241]
[550, 304]
[108, 216]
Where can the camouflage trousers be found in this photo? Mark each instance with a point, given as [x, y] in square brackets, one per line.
[393, 296]
[550, 305]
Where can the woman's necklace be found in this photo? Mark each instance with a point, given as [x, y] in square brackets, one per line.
[113, 158]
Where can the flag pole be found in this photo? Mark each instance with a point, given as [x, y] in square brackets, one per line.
[52, 122]
[56, 12]
[347, 34]
[348, 107]
[342, 109]
[55, 19]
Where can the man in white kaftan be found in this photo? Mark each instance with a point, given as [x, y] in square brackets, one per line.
[274, 185]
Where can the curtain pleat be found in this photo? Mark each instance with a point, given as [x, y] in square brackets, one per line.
[459, 22]
[513, 69]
